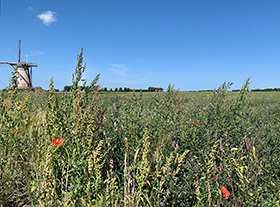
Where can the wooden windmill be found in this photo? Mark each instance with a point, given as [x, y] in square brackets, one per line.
[24, 70]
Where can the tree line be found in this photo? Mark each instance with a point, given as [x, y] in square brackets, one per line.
[264, 90]
[120, 89]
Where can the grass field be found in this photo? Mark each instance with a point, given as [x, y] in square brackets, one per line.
[228, 95]
[131, 149]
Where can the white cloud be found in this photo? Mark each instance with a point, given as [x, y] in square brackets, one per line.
[47, 17]
[118, 69]
[36, 53]
[30, 8]
[117, 65]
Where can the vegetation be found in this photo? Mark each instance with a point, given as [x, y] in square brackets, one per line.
[82, 149]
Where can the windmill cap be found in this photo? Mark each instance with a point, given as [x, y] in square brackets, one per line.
[23, 64]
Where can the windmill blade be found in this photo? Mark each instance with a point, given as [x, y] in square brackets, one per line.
[26, 70]
[23, 78]
[31, 76]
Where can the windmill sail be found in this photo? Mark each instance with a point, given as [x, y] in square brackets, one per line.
[24, 77]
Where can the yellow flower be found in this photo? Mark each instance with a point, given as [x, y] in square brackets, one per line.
[207, 96]
[26, 97]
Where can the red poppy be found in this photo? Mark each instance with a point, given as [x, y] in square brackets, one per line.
[225, 192]
[49, 180]
[16, 131]
[57, 141]
[195, 123]
[21, 110]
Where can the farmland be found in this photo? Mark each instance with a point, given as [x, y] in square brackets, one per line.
[139, 149]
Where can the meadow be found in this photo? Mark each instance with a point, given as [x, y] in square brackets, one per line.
[139, 149]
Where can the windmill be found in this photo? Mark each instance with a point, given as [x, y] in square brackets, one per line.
[24, 70]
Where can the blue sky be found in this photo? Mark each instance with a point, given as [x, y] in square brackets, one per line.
[193, 44]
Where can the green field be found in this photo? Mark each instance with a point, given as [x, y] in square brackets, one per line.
[195, 95]
[132, 149]
[139, 149]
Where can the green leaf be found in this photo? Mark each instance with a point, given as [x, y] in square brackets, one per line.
[33, 188]
[146, 198]
[118, 195]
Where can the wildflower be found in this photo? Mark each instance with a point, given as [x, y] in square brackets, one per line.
[162, 204]
[117, 187]
[241, 149]
[137, 193]
[225, 192]
[131, 174]
[38, 137]
[33, 142]
[26, 97]
[16, 131]
[71, 187]
[57, 141]
[21, 110]
[195, 123]
[49, 180]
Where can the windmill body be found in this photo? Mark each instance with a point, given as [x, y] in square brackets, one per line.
[24, 69]
[24, 79]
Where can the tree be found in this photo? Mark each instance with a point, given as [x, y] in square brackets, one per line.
[120, 89]
[116, 89]
[67, 88]
[111, 89]
[152, 89]
[105, 89]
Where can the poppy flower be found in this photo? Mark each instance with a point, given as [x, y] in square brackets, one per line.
[16, 131]
[195, 123]
[21, 110]
[225, 192]
[49, 180]
[57, 141]
[26, 97]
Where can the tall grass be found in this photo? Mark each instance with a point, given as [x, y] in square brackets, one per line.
[138, 151]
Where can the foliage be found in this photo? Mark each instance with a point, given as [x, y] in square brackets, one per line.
[82, 149]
